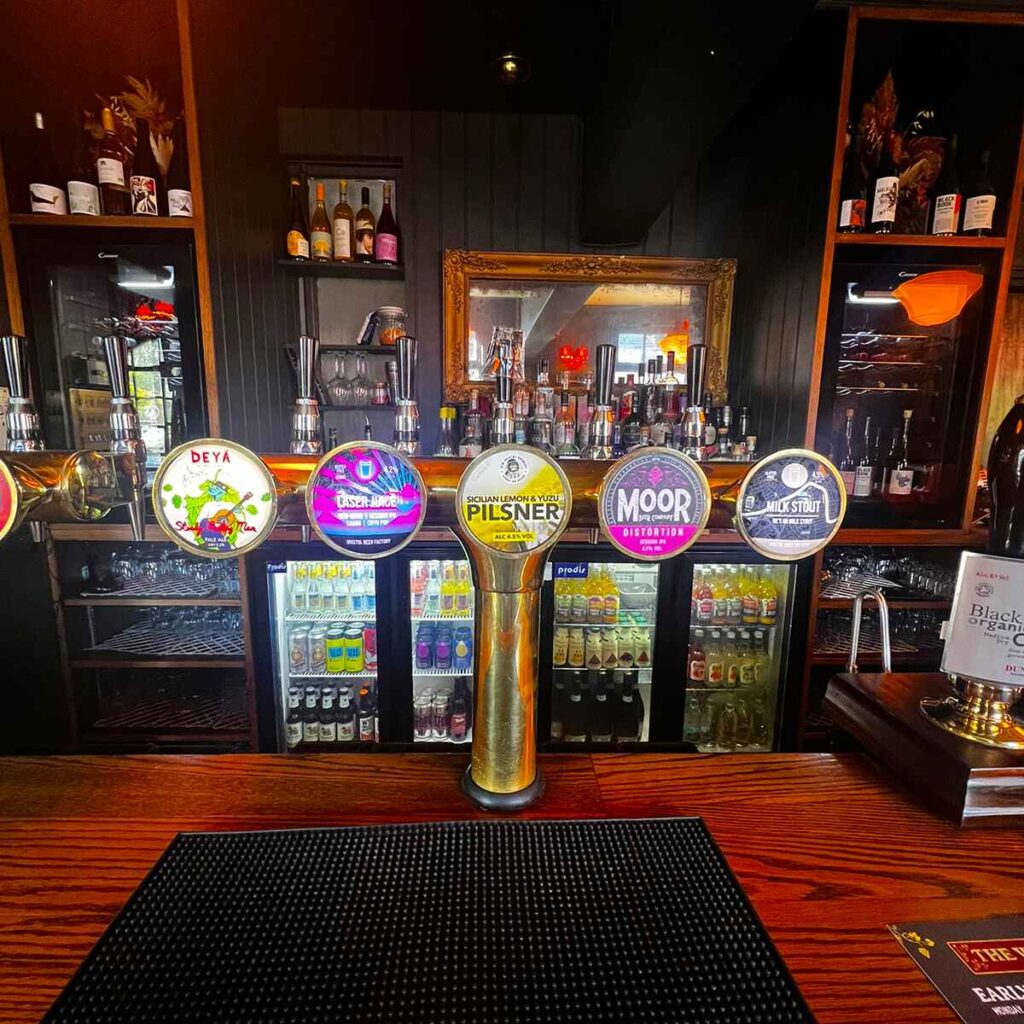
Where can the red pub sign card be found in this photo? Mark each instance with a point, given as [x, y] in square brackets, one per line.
[978, 966]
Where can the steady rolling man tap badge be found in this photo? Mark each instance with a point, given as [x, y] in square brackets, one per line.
[215, 498]
[513, 500]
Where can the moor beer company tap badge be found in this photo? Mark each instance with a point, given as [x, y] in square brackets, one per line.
[790, 504]
[513, 500]
[654, 503]
[215, 498]
[366, 499]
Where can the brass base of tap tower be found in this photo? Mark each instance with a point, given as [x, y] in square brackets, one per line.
[978, 711]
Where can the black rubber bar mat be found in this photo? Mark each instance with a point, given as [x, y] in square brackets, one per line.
[614, 921]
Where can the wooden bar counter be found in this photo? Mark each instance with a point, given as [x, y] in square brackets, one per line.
[829, 849]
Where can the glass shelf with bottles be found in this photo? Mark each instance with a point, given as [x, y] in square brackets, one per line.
[325, 717]
[600, 707]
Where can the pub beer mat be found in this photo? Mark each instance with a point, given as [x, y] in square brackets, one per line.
[977, 966]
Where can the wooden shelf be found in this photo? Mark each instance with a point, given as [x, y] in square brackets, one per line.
[928, 241]
[921, 605]
[46, 220]
[364, 271]
[106, 737]
[182, 662]
[153, 602]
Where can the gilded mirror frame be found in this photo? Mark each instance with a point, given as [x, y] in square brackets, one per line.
[462, 265]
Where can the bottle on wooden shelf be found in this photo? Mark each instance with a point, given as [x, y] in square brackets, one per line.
[115, 199]
[320, 232]
[885, 192]
[901, 477]
[853, 193]
[297, 241]
[864, 474]
[948, 201]
[1006, 484]
[177, 186]
[45, 191]
[142, 182]
[83, 192]
[365, 225]
[980, 208]
[385, 240]
[342, 225]
[847, 464]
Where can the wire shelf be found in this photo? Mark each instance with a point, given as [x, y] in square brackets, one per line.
[157, 712]
[328, 617]
[161, 643]
[851, 586]
[336, 676]
[164, 586]
[442, 672]
[454, 617]
[839, 641]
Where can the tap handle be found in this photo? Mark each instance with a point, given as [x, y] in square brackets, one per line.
[309, 353]
[16, 360]
[115, 348]
[696, 370]
[605, 374]
[406, 368]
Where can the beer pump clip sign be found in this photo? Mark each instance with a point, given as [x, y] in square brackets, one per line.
[366, 499]
[8, 500]
[790, 505]
[513, 501]
[214, 498]
[654, 503]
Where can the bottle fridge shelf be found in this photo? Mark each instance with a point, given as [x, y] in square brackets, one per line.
[443, 618]
[441, 673]
[329, 617]
[332, 676]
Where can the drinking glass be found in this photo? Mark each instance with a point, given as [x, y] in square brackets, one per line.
[339, 387]
[361, 385]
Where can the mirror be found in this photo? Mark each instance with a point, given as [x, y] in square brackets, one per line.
[567, 305]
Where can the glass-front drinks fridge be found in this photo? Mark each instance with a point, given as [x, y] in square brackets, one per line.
[904, 358]
[698, 651]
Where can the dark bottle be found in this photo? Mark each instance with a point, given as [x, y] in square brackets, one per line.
[177, 187]
[885, 192]
[365, 225]
[46, 189]
[293, 721]
[847, 464]
[328, 720]
[627, 722]
[864, 474]
[115, 199]
[459, 725]
[142, 182]
[601, 725]
[947, 201]
[901, 478]
[346, 716]
[710, 427]
[310, 717]
[853, 191]
[366, 717]
[1006, 485]
[83, 192]
[558, 707]
[385, 240]
[980, 208]
[632, 426]
[724, 430]
[575, 720]
[297, 242]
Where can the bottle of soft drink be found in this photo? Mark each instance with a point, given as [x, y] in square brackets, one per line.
[432, 602]
[768, 598]
[697, 662]
[704, 598]
[715, 658]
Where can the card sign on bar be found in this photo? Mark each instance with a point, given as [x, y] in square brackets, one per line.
[215, 498]
[790, 505]
[8, 500]
[513, 500]
[366, 499]
[654, 503]
[985, 636]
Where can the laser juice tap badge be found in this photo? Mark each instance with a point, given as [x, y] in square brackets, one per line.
[513, 500]
[366, 499]
[8, 500]
[790, 504]
[215, 498]
[654, 503]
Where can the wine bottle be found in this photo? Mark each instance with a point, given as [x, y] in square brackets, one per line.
[853, 191]
[885, 192]
[298, 233]
[83, 193]
[178, 189]
[847, 465]
[342, 223]
[864, 475]
[901, 478]
[948, 201]
[115, 200]
[44, 191]
[320, 228]
[365, 225]
[1006, 485]
[144, 172]
[980, 208]
[385, 241]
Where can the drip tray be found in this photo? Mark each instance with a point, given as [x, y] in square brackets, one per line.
[614, 921]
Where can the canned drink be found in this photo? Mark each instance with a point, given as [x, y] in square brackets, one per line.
[318, 649]
[609, 648]
[334, 649]
[298, 649]
[424, 650]
[370, 648]
[441, 714]
[577, 648]
[627, 648]
[423, 714]
[560, 646]
[354, 649]
[443, 650]
[593, 648]
[462, 652]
